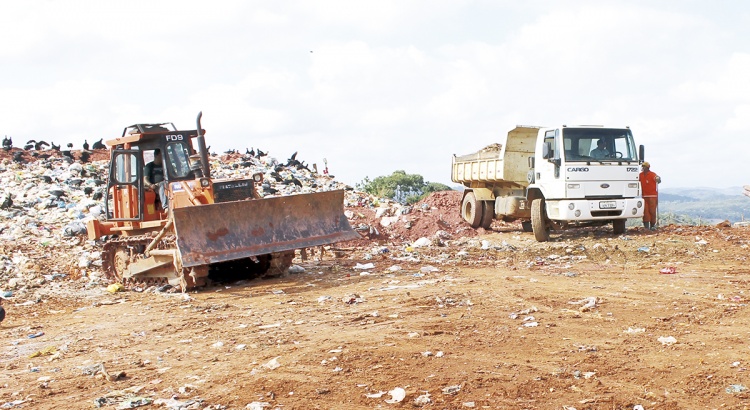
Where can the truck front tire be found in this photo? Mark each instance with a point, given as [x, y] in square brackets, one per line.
[618, 226]
[539, 220]
[471, 210]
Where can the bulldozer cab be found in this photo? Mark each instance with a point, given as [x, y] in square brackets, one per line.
[127, 197]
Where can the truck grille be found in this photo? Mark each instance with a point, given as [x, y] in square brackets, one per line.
[235, 190]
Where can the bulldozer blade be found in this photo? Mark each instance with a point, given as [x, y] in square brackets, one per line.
[234, 230]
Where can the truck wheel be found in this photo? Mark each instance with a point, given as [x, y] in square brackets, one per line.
[618, 226]
[526, 226]
[488, 213]
[539, 220]
[471, 211]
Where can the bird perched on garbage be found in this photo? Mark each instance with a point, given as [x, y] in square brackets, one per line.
[86, 144]
[98, 195]
[7, 143]
[88, 190]
[29, 145]
[99, 144]
[250, 152]
[18, 157]
[55, 147]
[7, 201]
[85, 155]
[260, 154]
[70, 145]
[39, 145]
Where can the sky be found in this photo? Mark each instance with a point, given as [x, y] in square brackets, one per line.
[378, 86]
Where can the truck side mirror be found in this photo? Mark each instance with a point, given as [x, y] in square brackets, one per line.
[547, 150]
[641, 153]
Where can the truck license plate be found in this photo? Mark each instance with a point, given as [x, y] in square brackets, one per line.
[607, 205]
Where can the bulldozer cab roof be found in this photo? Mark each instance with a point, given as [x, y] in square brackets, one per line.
[148, 128]
[150, 136]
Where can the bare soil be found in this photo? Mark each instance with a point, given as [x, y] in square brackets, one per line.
[586, 321]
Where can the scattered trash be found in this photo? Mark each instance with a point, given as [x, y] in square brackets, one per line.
[115, 287]
[469, 404]
[428, 269]
[667, 341]
[452, 389]
[668, 270]
[735, 388]
[258, 405]
[35, 335]
[423, 399]
[588, 303]
[397, 395]
[295, 269]
[375, 395]
[365, 266]
[273, 363]
[47, 351]
[644, 249]
[421, 243]
[635, 330]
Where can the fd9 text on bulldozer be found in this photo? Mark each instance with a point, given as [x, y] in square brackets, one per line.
[208, 226]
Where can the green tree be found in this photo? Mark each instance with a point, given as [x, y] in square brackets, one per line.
[400, 186]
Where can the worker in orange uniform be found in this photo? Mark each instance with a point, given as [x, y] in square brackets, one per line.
[650, 190]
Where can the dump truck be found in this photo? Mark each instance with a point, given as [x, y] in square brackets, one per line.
[208, 226]
[553, 179]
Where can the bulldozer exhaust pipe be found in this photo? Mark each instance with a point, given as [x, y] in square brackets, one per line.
[202, 147]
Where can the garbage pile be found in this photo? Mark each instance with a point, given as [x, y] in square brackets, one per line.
[45, 201]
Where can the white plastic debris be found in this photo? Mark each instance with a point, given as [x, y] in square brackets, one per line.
[422, 243]
[273, 363]
[364, 266]
[422, 399]
[258, 405]
[397, 395]
[667, 341]
[428, 269]
[296, 269]
[452, 389]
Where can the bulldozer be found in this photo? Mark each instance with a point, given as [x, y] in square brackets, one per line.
[217, 227]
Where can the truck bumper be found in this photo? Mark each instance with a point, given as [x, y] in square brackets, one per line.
[593, 210]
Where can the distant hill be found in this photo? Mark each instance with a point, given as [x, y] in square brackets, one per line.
[707, 205]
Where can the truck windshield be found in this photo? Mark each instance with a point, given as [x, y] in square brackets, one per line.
[598, 144]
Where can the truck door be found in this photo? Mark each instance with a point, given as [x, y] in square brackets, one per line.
[124, 200]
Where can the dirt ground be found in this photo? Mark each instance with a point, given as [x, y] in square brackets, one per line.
[586, 321]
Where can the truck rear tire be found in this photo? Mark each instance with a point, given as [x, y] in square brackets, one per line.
[471, 210]
[618, 226]
[488, 213]
[539, 220]
[526, 226]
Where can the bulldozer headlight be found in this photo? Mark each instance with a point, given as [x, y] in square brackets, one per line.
[639, 204]
[205, 182]
[635, 211]
[258, 177]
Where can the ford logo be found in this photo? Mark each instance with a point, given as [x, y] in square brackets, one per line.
[605, 186]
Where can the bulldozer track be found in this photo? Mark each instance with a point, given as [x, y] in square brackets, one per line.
[118, 252]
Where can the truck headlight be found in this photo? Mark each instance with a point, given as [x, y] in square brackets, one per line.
[577, 213]
[639, 204]
[571, 206]
[633, 185]
[205, 182]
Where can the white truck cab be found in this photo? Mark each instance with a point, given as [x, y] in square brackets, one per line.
[575, 176]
